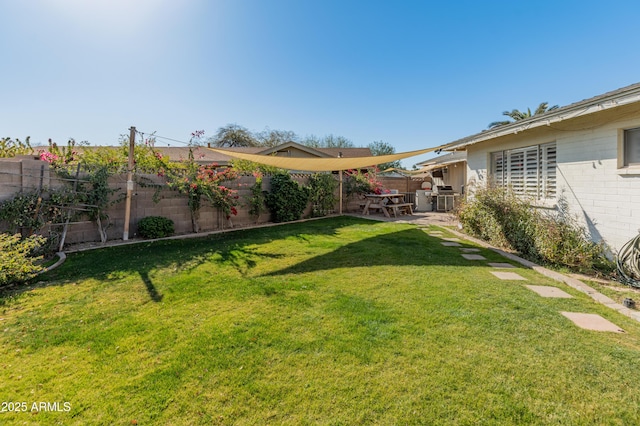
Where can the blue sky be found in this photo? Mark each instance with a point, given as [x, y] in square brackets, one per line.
[414, 74]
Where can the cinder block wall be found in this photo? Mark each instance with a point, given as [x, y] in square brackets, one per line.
[22, 173]
[28, 173]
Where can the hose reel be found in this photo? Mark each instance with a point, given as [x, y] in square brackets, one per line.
[628, 262]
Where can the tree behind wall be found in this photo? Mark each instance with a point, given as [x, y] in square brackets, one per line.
[233, 135]
[383, 148]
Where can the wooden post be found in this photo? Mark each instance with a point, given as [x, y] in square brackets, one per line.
[340, 192]
[127, 206]
[340, 211]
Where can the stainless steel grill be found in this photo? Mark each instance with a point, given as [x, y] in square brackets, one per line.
[444, 190]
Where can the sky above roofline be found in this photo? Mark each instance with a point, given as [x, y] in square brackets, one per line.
[413, 74]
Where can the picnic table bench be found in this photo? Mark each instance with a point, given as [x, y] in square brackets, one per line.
[387, 203]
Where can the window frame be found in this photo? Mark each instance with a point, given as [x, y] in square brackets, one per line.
[624, 161]
[529, 171]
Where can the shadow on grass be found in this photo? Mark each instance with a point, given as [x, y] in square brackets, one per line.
[402, 248]
[151, 289]
[233, 248]
[241, 250]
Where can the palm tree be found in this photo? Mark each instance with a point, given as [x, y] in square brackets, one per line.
[517, 115]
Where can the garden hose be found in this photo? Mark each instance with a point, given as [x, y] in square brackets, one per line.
[628, 262]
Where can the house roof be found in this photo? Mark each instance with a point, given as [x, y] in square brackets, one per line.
[203, 155]
[449, 158]
[286, 147]
[607, 101]
[217, 156]
[315, 164]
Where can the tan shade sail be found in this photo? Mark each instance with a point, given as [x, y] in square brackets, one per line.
[321, 164]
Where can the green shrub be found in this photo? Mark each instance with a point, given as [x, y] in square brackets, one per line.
[287, 199]
[17, 259]
[505, 220]
[322, 188]
[257, 198]
[155, 227]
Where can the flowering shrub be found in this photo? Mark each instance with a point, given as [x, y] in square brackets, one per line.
[57, 156]
[198, 182]
[359, 182]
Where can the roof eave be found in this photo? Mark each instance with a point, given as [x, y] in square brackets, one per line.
[578, 109]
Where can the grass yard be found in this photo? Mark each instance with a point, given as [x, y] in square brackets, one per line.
[334, 321]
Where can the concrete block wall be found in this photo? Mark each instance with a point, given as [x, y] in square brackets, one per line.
[23, 174]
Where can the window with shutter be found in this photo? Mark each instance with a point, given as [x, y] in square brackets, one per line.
[497, 168]
[529, 171]
[515, 170]
[548, 170]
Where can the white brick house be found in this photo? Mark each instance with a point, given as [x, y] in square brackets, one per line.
[587, 153]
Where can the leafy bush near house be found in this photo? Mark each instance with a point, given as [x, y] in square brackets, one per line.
[505, 220]
[155, 227]
[18, 258]
[287, 199]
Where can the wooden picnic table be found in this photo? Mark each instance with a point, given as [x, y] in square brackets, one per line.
[387, 202]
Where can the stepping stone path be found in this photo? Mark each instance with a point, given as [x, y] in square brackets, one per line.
[508, 276]
[586, 321]
[473, 256]
[548, 291]
[501, 265]
[592, 322]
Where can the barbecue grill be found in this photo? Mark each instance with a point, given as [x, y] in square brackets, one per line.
[445, 198]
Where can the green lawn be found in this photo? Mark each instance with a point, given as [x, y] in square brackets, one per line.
[334, 321]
